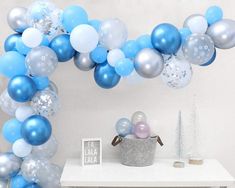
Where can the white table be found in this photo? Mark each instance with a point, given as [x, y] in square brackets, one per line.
[161, 174]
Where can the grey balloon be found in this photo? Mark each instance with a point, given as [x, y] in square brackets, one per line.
[3, 183]
[149, 63]
[41, 61]
[9, 165]
[223, 33]
[83, 61]
[17, 19]
[198, 48]
[53, 87]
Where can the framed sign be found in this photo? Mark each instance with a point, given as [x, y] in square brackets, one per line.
[91, 151]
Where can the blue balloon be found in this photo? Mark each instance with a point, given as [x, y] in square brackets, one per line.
[214, 14]
[74, 16]
[12, 63]
[21, 88]
[18, 182]
[45, 41]
[211, 60]
[32, 185]
[62, 47]
[21, 47]
[99, 54]
[106, 76]
[41, 82]
[10, 42]
[12, 130]
[166, 38]
[124, 67]
[184, 33]
[130, 48]
[36, 130]
[144, 41]
[95, 23]
[124, 127]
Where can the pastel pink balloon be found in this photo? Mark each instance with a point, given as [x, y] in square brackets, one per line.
[141, 130]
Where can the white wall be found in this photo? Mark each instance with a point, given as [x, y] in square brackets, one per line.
[88, 111]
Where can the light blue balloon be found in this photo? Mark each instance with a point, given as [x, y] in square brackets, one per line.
[41, 82]
[21, 47]
[144, 41]
[166, 38]
[124, 127]
[21, 88]
[74, 16]
[33, 185]
[10, 42]
[124, 67]
[214, 14]
[62, 47]
[12, 63]
[36, 130]
[99, 54]
[12, 130]
[130, 49]
[106, 76]
[184, 33]
[45, 41]
[18, 182]
[95, 23]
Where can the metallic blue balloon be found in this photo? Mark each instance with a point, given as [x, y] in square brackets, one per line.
[166, 38]
[21, 88]
[62, 47]
[105, 76]
[36, 130]
[211, 60]
[10, 42]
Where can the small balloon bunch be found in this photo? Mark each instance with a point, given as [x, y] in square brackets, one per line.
[136, 128]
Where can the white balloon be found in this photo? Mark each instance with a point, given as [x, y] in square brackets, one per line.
[84, 38]
[21, 148]
[115, 55]
[23, 112]
[32, 37]
[196, 23]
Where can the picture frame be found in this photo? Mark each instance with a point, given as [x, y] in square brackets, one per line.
[91, 151]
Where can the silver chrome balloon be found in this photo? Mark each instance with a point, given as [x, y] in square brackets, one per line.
[138, 117]
[3, 183]
[17, 20]
[223, 33]
[177, 73]
[83, 61]
[53, 87]
[9, 165]
[198, 48]
[149, 63]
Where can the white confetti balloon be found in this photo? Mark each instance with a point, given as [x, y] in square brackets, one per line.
[196, 23]
[115, 55]
[24, 112]
[177, 73]
[84, 38]
[21, 148]
[32, 37]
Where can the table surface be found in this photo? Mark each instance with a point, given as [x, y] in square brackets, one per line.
[161, 174]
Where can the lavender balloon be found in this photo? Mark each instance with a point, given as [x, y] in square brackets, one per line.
[141, 130]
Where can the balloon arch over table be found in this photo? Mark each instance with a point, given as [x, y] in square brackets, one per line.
[46, 35]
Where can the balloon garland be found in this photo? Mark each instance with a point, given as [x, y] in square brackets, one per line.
[46, 35]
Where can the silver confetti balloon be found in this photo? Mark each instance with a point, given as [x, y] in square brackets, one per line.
[177, 73]
[3, 183]
[198, 48]
[113, 33]
[223, 33]
[83, 61]
[17, 19]
[149, 63]
[30, 167]
[45, 103]
[46, 150]
[41, 61]
[138, 117]
[8, 105]
[9, 165]
[49, 176]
